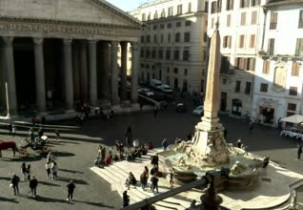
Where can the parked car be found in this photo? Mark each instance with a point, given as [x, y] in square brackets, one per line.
[154, 83]
[146, 92]
[199, 110]
[180, 107]
[165, 88]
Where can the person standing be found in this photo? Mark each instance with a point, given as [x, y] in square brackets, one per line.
[48, 170]
[144, 178]
[239, 143]
[57, 135]
[33, 183]
[299, 152]
[164, 144]
[54, 170]
[171, 178]
[70, 190]
[23, 171]
[15, 184]
[154, 183]
[125, 199]
[28, 172]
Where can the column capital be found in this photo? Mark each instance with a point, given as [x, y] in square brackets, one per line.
[67, 41]
[135, 45]
[38, 40]
[8, 40]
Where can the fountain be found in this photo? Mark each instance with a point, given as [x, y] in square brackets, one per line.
[208, 149]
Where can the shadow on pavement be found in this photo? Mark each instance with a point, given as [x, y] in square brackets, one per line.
[63, 154]
[23, 159]
[45, 199]
[5, 178]
[94, 204]
[76, 181]
[49, 184]
[71, 171]
[13, 200]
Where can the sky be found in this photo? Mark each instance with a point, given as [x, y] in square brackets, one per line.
[127, 5]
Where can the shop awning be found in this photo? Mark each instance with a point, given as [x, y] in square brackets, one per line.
[296, 119]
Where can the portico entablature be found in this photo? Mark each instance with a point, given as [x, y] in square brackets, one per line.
[15, 27]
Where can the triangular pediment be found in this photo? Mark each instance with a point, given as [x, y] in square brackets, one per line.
[89, 11]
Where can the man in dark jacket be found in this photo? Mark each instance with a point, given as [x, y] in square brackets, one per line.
[154, 183]
[15, 184]
[70, 189]
[33, 186]
[125, 199]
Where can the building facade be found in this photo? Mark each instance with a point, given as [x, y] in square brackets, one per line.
[239, 23]
[173, 42]
[56, 54]
[279, 77]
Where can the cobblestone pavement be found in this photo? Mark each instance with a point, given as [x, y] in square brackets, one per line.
[77, 150]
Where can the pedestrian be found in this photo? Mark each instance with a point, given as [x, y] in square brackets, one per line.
[171, 178]
[299, 152]
[239, 143]
[155, 160]
[70, 190]
[131, 180]
[48, 170]
[164, 144]
[154, 183]
[57, 135]
[33, 183]
[125, 199]
[54, 170]
[144, 178]
[28, 172]
[32, 135]
[13, 130]
[10, 128]
[15, 184]
[129, 136]
[50, 157]
[23, 171]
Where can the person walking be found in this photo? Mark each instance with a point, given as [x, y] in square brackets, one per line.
[23, 171]
[28, 172]
[33, 183]
[57, 135]
[164, 144]
[171, 178]
[15, 184]
[239, 143]
[144, 178]
[125, 199]
[54, 170]
[299, 151]
[48, 170]
[154, 183]
[70, 190]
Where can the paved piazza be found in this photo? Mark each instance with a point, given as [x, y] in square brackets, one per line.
[78, 148]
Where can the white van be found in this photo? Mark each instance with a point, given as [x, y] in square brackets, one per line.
[155, 83]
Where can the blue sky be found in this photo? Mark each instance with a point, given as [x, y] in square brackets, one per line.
[127, 5]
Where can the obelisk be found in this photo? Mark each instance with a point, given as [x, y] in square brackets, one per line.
[209, 139]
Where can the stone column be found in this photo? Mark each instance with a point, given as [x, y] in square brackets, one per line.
[114, 73]
[10, 74]
[83, 58]
[68, 73]
[92, 72]
[135, 68]
[40, 78]
[123, 71]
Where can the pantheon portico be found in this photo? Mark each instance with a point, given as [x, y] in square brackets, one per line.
[60, 53]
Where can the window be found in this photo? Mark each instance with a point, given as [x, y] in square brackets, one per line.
[250, 64]
[228, 20]
[291, 107]
[189, 7]
[179, 9]
[224, 64]
[169, 25]
[142, 65]
[185, 72]
[160, 53]
[263, 87]
[300, 19]
[177, 37]
[170, 11]
[255, 3]
[295, 69]
[155, 38]
[176, 70]
[224, 81]
[299, 47]
[142, 39]
[205, 37]
[178, 24]
[219, 5]
[244, 3]
[186, 54]
[186, 37]
[229, 4]
[147, 53]
[176, 54]
[168, 37]
[227, 41]
[241, 41]
[167, 54]
[155, 27]
[254, 17]
[271, 46]
[238, 86]
[148, 39]
[213, 7]
[154, 53]
[293, 91]
[206, 6]
[162, 38]
[148, 16]
[243, 18]
[142, 53]
[266, 67]
[161, 26]
[187, 23]
[163, 13]
[247, 88]
[252, 41]
[273, 20]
